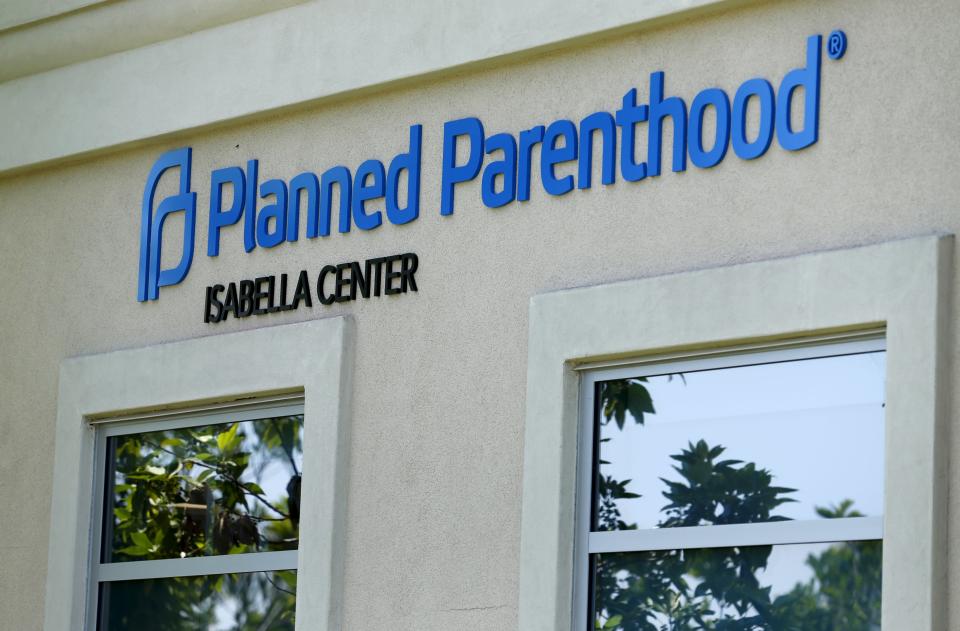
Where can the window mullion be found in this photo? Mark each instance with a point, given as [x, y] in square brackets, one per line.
[199, 566]
[757, 534]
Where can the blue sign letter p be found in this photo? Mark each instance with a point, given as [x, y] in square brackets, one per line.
[152, 278]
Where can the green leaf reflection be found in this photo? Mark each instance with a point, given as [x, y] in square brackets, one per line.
[204, 490]
[719, 589]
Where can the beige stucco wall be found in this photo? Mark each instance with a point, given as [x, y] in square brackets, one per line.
[434, 491]
[315, 51]
[19, 12]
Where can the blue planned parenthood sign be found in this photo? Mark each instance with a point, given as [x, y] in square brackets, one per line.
[369, 195]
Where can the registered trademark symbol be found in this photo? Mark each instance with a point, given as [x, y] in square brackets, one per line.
[836, 44]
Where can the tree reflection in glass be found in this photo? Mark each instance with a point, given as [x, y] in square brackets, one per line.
[254, 601]
[821, 420]
[201, 491]
[808, 587]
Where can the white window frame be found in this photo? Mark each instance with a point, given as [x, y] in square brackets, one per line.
[901, 287]
[589, 542]
[101, 573]
[310, 360]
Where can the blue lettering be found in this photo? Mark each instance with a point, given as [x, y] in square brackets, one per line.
[304, 183]
[451, 174]
[529, 138]
[220, 218]
[409, 162]
[604, 123]
[552, 155]
[627, 118]
[716, 98]
[340, 176]
[807, 78]
[763, 91]
[506, 169]
[660, 109]
[505, 159]
[276, 211]
[250, 207]
[364, 192]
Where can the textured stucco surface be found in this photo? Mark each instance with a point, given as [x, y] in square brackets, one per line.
[439, 392]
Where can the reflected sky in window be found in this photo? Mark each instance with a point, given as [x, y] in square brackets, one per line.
[815, 425]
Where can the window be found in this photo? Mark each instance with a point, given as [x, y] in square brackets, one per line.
[174, 382]
[899, 290]
[741, 491]
[200, 521]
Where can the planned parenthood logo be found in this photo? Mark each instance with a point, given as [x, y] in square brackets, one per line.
[628, 140]
[152, 278]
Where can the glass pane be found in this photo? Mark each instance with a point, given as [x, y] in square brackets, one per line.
[791, 440]
[226, 602]
[201, 491]
[828, 587]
